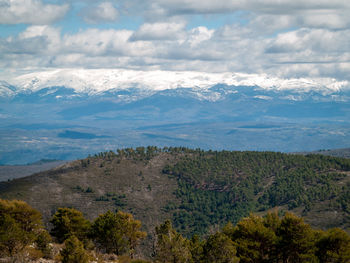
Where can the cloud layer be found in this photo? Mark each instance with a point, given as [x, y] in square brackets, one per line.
[103, 12]
[30, 12]
[285, 39]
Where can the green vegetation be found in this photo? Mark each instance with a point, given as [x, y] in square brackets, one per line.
[80, 189]
[20, 227]
[199, 191]
[171, 246]
[215, 187]
[73, 251]
[256, 239]
[219, 248]
[43, 241]
[68, 222]
[119, 200]
[344, 198]
[117, 233]
[333, 246]
[253, 239]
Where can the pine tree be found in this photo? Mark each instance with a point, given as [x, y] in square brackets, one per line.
[117, 232]
[334, 246]
[19, 226]
[73, 251]
[171, 247]
[67, 222]
[296, 240]
[219, 248]
[255, 242]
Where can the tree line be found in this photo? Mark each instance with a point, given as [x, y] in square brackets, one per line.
[270, 238]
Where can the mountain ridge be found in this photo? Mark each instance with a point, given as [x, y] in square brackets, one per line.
[216, 92]
[93, 81]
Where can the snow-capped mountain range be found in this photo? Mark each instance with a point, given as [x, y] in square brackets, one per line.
[98, 81]
[68, 114]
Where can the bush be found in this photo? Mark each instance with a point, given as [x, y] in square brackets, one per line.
[74, 251]
[67, 222]
[43, 244]
[19, 226]
[117, 233]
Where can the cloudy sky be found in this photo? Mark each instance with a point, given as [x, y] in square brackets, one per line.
[281, 38]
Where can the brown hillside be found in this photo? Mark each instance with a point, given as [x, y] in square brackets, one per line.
[145, 188]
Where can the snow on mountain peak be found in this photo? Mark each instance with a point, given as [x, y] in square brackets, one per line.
[99, 80]
[6, 90]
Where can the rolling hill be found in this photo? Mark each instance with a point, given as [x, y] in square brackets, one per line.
[199, 190]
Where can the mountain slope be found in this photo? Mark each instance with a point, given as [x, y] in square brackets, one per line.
[9, 172]
[199, 190]
[87, 184]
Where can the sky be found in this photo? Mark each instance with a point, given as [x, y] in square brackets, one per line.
[281, 38]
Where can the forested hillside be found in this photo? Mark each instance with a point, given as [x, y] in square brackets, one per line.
[200, 191]
[114, 237]
[218, 186]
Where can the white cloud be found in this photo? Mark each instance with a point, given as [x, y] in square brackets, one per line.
[299, 53]
[267, 24]
[320, 41]
[33, 46]
[199, 34]
[159, 31]
[50, 34]
[301, 13]
[106, 43]
[30, 12]
[104, 12]
[326, 19]
[288, 39]
[261, 6]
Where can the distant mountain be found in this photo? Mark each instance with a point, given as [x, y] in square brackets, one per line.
[215, 92]
[119, 108]
[7, 91]
[96, 80]
[232, 101]
[112, 81]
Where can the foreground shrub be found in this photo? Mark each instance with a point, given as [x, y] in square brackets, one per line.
[73, 251]
[117, 233]
[20, 224]
[67, 222]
